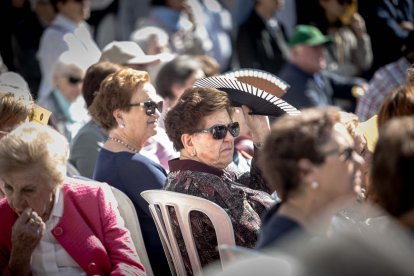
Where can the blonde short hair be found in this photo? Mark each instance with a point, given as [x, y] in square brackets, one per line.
[33, 144]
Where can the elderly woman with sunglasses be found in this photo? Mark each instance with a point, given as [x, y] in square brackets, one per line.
[65, 101]
[201, 128]
[310, 161]
[128, 109]
[54, 225]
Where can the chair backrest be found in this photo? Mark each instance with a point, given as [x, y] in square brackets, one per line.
[159, 203]
[129, 214]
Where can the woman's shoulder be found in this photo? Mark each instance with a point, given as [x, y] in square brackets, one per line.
[197, 183]
[81, 187]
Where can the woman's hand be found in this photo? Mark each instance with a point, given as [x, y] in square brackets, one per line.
[358, 25]
[27, 232]
[258, 125]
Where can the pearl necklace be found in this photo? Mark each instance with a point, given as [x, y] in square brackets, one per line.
[134, 150]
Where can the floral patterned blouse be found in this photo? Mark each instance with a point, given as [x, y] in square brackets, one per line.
[240, 195]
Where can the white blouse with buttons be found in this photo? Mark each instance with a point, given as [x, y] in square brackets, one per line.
[49, 257]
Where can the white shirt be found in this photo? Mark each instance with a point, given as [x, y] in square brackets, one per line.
[58, 38]
[49, 257]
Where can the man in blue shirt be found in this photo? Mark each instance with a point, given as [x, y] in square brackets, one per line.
[310, 84]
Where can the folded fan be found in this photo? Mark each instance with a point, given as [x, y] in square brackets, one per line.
[240, 93]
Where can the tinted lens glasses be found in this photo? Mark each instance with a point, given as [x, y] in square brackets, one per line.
[149, 107]
[220, 131]
[73, 80]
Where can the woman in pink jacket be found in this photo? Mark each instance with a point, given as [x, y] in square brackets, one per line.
[53, 225]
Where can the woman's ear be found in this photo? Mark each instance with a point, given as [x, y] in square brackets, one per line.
[118, 115]
[187, 140]
[306, 170]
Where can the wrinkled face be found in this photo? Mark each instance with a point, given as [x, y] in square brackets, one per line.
[28, 189]
[76, 10]
[70, 83]
[216, 153]
[138, 125]
[337, 175]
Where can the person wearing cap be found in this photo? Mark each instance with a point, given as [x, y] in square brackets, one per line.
[310, 84]
[68, 29]
[385, 80]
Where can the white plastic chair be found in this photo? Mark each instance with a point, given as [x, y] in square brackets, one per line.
[159, 203]
[129, 214]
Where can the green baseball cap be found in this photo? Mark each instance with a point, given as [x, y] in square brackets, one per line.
[308, 35]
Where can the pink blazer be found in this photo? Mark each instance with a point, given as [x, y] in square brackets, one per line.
[88, 230]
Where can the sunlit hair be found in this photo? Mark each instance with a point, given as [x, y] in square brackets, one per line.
[13, 110]
[399, 103]
[293, 138]
[188, 114]
[32, 144]
[392, 166]
[115, 92]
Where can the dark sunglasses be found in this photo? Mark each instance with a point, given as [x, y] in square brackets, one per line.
[347, 153]
[149, 106]
[74, 80]
[220, 131]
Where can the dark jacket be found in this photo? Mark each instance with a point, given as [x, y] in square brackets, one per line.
[321, 89]
[257, 45]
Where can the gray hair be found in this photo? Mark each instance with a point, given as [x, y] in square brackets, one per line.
[34, 144]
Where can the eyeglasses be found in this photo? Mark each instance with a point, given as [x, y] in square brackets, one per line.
[347, 153]
[73, 80]
[149, 106]
[220, 131]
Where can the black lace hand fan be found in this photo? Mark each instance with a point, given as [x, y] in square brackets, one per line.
[241, 93]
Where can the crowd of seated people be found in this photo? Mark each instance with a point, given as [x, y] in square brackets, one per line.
[128, 115]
